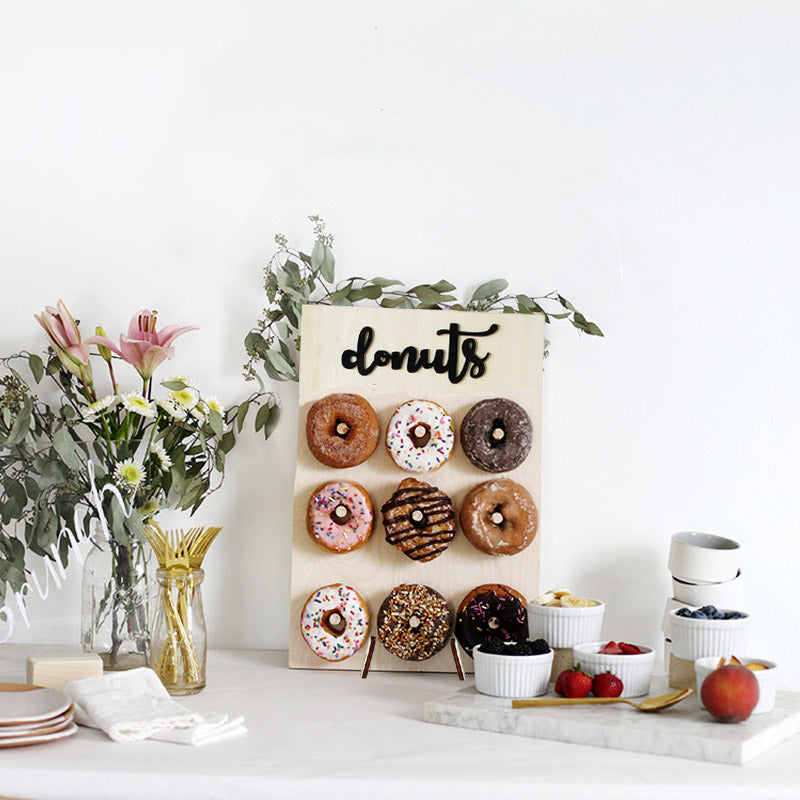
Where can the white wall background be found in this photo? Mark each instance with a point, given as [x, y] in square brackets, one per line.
[641, 158]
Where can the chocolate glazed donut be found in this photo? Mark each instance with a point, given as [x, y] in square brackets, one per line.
[492, 612]
[342, 430]
[496, 435]
[419, 520]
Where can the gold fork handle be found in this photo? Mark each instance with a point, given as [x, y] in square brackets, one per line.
[566, 701]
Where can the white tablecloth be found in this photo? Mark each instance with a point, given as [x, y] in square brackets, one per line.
[332, 735]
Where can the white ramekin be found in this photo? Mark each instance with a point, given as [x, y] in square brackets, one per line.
[767, 679]
[565, 627]
[634, 670]
[729, 594]
[512, 676]
[698, 638]
[703, 557]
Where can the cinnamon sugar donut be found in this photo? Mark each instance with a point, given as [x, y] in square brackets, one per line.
[342, 430]
[339, 516]
[492, 612]
[414, 622]
[496, 434]
[419, 520]
[499, 517]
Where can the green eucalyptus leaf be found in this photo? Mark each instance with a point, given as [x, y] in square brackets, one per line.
[262, 417]
[242, 412]
[489, 289]
[384, 282]
[215, 421]
[175, 386]
[443, 286]
[37, 367]
[21, 425]
[227, 442]
[65, 447]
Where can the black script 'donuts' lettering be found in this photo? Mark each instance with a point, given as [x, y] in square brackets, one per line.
[458, 359]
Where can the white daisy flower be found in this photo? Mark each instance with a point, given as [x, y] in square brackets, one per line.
[214, 405]
[103, 404]
[136, 403]
[186, 398]
[128, 474]
[164, 461]
[172, 409]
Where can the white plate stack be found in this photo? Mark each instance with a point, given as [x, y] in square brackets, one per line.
[33, 715]
[706, 570]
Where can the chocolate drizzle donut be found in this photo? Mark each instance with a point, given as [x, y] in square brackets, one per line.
[496, 435]
[419, 520]
[492, 612]
[342, 430]
[414, 622]
[499, 517]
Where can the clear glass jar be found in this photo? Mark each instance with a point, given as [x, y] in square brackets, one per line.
[115, 596]
[178, 641]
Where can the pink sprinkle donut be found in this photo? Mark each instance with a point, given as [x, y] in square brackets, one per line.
[339, 516]
[420, 436]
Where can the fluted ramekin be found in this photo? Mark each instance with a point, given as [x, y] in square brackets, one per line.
[633, 670]
[565, 627]
[512, 676]
[698, 638]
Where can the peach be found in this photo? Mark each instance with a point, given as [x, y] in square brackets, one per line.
[730, 693]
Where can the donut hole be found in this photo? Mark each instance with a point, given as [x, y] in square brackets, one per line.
[497, 433]
[340, 514]
[419, 519]
[420, 434]
[414, 622]
[497, 518]
[493, 623]
[334, 623]
[341, 428]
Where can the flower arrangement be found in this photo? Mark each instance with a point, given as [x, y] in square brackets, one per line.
[161, 445]
[293, 278]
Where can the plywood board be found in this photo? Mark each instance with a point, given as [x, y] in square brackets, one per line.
[513, 368]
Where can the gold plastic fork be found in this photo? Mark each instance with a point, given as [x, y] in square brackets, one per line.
[650, 704]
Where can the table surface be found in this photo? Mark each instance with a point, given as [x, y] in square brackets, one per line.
[333, 735]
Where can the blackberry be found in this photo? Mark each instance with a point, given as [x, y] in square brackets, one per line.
[498, 648]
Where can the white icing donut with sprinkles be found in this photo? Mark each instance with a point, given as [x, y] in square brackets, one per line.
[420, 436]
[335, 622]
[339, 516]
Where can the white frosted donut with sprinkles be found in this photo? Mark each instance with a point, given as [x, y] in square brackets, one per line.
[420, 436]
[335, 622]
[339, 516]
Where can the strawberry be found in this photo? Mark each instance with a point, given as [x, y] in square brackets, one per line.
[611, 649]
[574, 683]
[629, 649]
[559, 687]
[605, 684]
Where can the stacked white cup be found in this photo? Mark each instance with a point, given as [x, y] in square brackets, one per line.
[706, 570]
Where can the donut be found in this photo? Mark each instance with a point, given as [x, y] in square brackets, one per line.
[342, 430]
[496, 434]
[414, 622]
[420, 436]
[339, 516]
[419, 520]
[499, 517]
[335, 622]
[492, 612]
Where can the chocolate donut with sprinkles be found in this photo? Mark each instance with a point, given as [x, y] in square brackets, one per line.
[419, 520]
[334, 622]
[492, 612]
[342, 430]
[414, 622]
[339, 516]
[496, 434]
[420, 436]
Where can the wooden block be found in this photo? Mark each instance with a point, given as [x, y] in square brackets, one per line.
[562, 659]
[55, 672]
[681, 673]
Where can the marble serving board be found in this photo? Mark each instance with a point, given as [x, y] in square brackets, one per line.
[683, 731]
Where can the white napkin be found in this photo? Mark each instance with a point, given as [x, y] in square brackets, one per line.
[134, 705]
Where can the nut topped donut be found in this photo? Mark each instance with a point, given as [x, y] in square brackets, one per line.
[489, 613]
[499, 517]
[420, 436]
[342, 430]
[414, 622]
[496, 435]
[419, 520]
[339, 516]
[334, 622]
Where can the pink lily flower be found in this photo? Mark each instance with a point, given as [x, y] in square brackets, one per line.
[144, 348]
[65, 339]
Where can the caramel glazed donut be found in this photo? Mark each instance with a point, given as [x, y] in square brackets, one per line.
[414, 622]
[334, 622]
[492, 612]
[419, 520]
[342, 430]
[499, 517]
[496, 435]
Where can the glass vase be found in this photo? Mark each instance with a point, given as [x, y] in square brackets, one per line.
[115, 610]
[178, 645]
